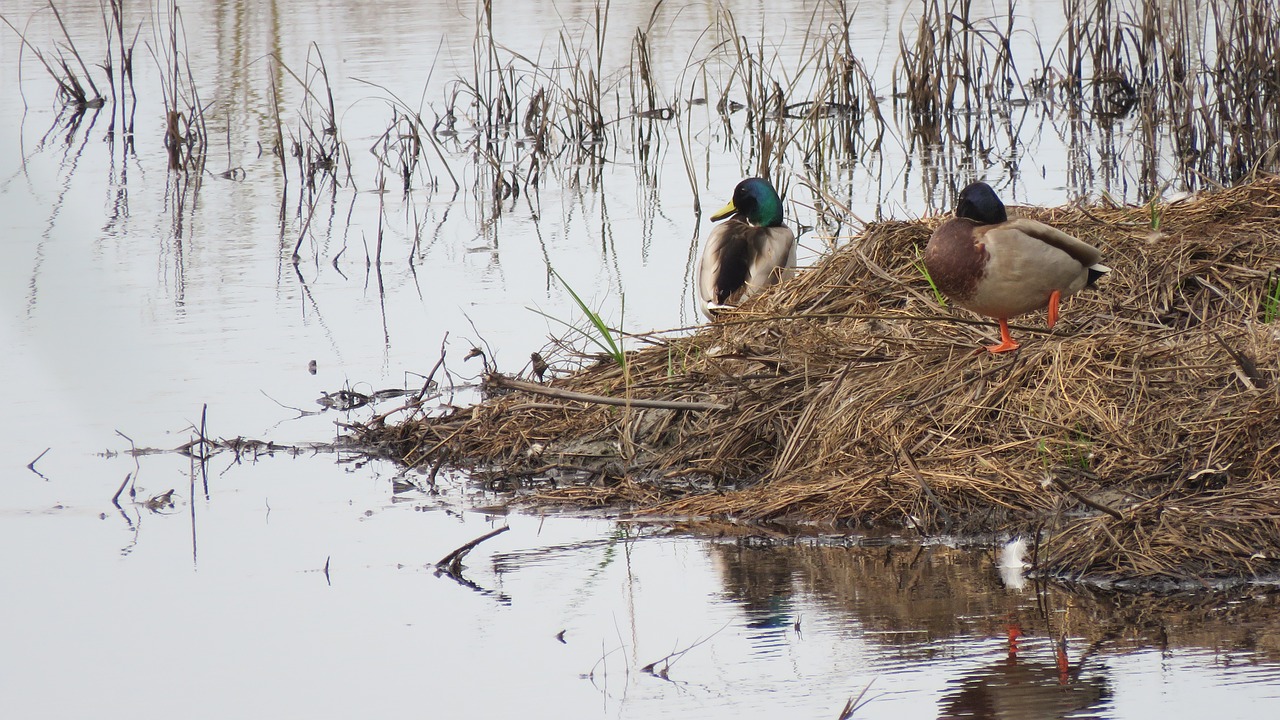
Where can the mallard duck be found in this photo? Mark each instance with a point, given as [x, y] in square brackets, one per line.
[748, 252]
[998, 267]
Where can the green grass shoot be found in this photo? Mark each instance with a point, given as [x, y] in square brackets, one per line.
[597, 331]
[1271, 299]
[937, 294]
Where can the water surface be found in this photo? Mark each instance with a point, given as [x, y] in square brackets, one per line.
[139, 305]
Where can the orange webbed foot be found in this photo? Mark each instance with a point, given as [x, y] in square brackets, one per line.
[1007, 342]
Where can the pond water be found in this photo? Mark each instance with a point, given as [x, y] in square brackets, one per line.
[140, 304]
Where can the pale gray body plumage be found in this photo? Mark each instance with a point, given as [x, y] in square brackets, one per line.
[769, 254]
[1028, 260]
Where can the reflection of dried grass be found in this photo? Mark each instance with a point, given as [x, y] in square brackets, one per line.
[857, 399]
[913, 597]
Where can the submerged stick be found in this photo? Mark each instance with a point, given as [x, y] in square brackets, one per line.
[670, 659]
[115, 499]
[452, 563]
[537, 389]
[32, 465]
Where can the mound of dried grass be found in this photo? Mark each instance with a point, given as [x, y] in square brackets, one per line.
[1142, 436]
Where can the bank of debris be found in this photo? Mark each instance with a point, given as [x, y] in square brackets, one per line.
[1140, 439]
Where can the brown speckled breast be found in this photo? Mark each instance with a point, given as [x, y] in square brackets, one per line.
[955, 261]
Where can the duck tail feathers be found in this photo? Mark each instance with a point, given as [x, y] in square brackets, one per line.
[1096, 271]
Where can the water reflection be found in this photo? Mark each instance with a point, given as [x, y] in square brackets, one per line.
[760, 581]
[1023, 685]
[1046, 652]
[572, 611]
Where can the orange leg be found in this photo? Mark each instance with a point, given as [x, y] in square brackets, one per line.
[1060, 656]
[1015, 632]
[1007, 342]
[1054, 298]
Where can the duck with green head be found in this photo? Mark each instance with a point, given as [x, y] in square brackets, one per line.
[1001, 268]
[748, 252]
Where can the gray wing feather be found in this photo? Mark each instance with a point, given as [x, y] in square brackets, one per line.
[1078, 249]
[775, 256]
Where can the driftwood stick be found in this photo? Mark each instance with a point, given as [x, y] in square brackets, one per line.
[1248, 369]
[452, 563]
[928, 491]
[115, 499]
[1086, 500]
[537, 389]
[32, 465]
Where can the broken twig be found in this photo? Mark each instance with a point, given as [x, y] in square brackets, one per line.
[452, 563]
[537, 389]
[1085, 500]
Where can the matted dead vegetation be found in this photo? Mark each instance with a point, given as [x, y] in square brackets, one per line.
[1141, 438]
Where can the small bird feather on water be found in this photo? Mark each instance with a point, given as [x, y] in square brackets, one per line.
[1013, 563]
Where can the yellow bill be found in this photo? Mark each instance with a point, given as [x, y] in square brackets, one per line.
[724, 212]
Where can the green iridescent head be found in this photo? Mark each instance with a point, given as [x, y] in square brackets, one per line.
[755, 201]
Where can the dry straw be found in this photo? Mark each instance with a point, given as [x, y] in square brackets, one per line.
[1141, 439]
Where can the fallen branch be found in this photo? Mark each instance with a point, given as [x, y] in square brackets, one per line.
[32, 465]
[670, 659]
[452, 563]
[115, 499]
[928, 491]
[506, 382]
[1082, 498]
